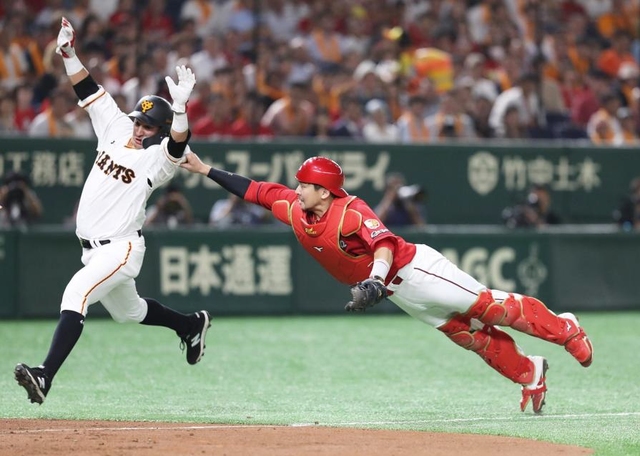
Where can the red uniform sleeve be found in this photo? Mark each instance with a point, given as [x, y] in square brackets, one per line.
[372, 231]
[266, 193]
[374, 235]
[386, 242]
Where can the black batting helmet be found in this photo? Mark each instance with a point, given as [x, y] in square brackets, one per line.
[154, 110]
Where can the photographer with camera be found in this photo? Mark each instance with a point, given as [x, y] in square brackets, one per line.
[534, 212]
[20, 204]
[171, 209]
[627, 215]
[401, 204]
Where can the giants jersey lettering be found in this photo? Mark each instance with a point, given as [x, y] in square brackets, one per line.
[122, 178]
[343, 240]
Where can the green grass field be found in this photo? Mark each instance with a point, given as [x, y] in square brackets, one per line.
[386, 372]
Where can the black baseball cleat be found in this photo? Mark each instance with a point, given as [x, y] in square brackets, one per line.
[195, 340]
[34, 380]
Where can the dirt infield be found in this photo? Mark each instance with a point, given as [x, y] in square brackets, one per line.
[102, 438]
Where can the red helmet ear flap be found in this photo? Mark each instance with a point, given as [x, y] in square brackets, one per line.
[325, 172]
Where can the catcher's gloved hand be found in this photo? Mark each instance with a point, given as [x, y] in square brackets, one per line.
[66, 40]
[180, 92]
[366, 294]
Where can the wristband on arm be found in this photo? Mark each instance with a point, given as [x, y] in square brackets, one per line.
[72, 65]
[380, 269]
[180, 122]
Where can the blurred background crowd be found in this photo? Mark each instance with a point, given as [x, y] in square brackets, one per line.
[396, 71]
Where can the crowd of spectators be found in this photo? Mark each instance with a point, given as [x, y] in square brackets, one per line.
[405, 71]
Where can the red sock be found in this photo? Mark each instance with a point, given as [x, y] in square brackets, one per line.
[494, 346]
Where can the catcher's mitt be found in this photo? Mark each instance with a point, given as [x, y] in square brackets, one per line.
[366, 294]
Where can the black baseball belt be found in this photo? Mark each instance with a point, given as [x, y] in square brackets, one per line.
[87, 244]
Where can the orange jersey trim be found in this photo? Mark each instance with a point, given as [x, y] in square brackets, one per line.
[90, 102]
[86, 296]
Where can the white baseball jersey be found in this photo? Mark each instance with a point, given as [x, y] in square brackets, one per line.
[122, 178]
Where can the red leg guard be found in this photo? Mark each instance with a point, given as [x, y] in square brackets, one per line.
[494, 346]
[527, 315]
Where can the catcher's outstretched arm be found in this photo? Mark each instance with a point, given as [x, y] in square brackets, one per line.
[234, 183]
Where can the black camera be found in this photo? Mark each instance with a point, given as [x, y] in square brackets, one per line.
[522, 215]
[15, 183]
[533, 201]
[172, 208]
[448, 130]
[15, 194]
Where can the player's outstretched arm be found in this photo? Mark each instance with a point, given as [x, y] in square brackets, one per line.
[66, 48]
[233, 183]
[180, 93]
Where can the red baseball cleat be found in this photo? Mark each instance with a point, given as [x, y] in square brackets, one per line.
[579, 346]
[536, 391]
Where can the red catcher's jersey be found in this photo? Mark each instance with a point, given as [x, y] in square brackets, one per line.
[343, 241]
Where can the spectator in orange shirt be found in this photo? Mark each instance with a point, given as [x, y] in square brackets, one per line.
[412, 124]
[630, 133]
[450, 121]
[619, 17]
[327, 86]
[291, 115]
[325, 46]
[51, 122]
[270, 85]
[19, 23]
[604, 126]
[612, 58]
[583, 54]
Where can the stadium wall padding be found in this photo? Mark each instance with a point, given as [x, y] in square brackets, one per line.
[467, 183]
[265, 271]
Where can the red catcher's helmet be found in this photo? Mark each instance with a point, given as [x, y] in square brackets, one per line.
[325, 172]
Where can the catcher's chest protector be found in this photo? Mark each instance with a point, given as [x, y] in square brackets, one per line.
[323, 239]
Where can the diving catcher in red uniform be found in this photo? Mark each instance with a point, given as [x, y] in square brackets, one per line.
[347, 238]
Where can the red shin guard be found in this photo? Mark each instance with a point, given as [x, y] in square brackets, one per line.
[494, 346]
[527, 315]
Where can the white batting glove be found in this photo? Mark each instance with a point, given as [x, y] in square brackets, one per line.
[180, 92]
[66, 40]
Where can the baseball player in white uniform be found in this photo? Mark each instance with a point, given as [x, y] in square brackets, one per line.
[133, 159]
